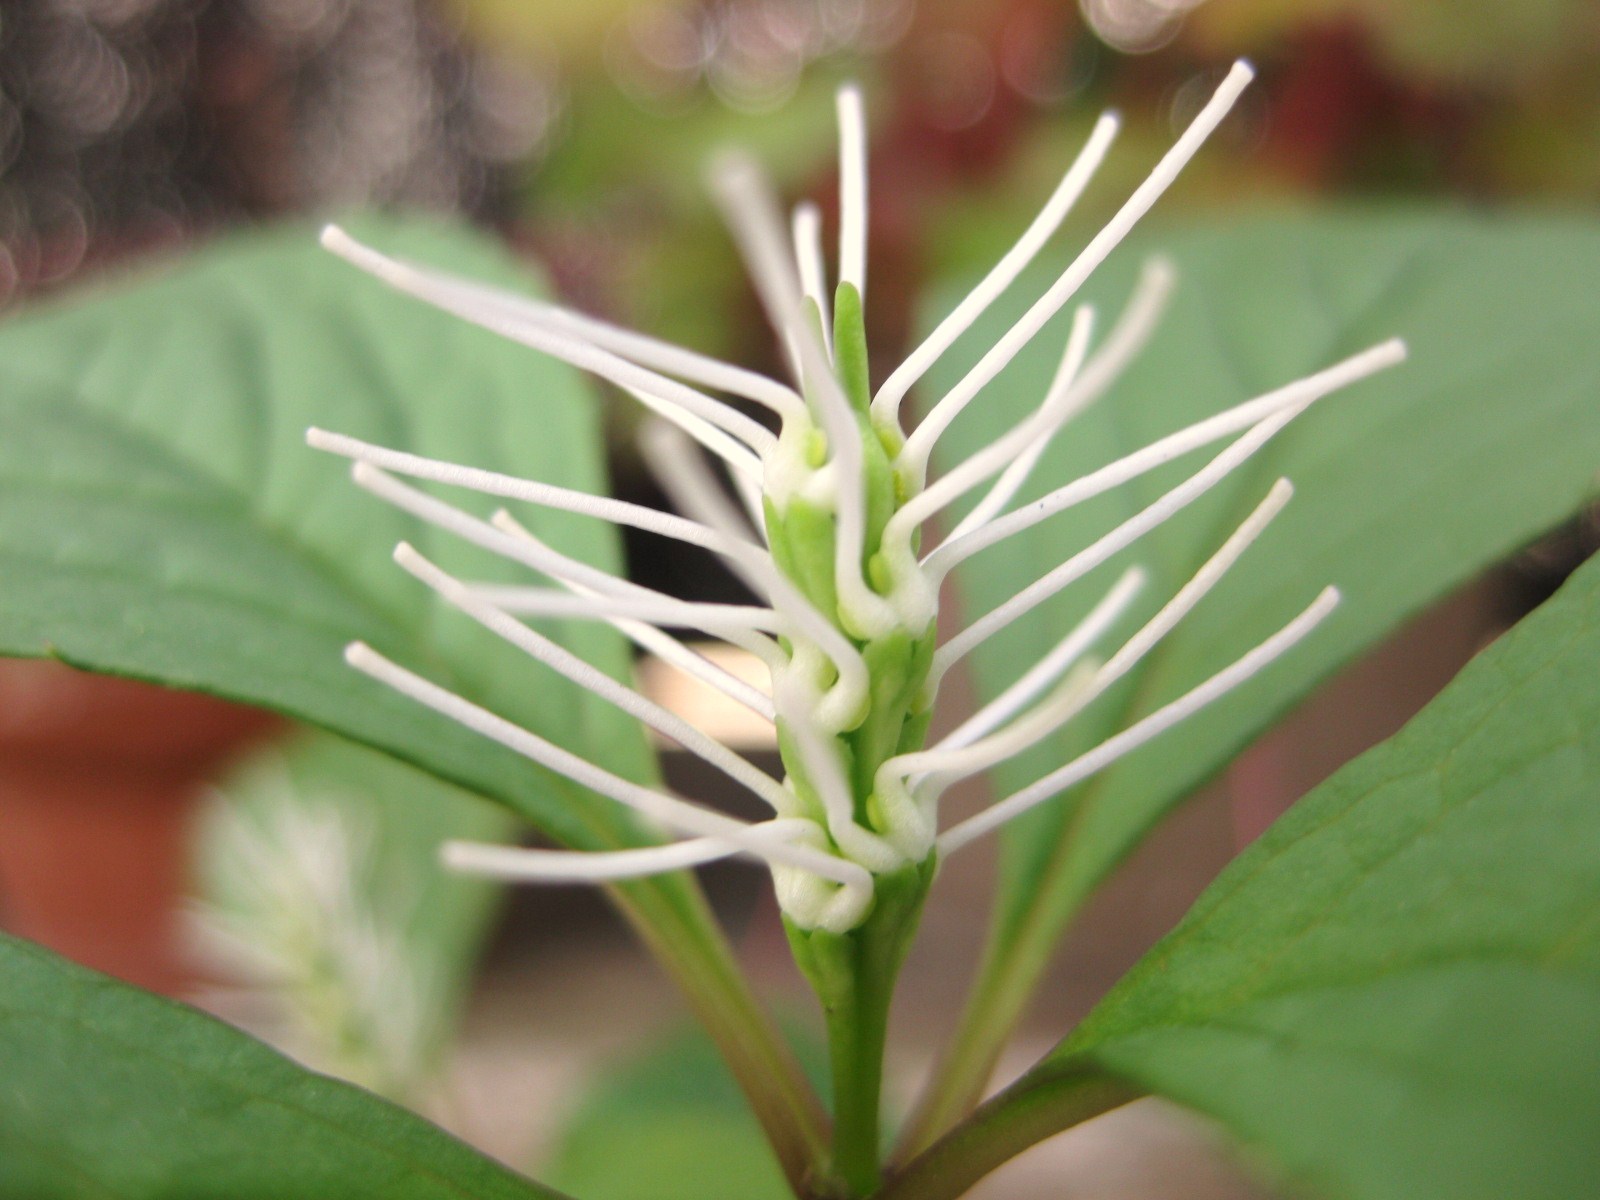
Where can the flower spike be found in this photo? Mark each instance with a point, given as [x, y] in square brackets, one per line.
[835, 504]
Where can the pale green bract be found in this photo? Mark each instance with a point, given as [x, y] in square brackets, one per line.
[826, 530]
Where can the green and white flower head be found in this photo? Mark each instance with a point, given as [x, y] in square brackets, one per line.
[827, 532]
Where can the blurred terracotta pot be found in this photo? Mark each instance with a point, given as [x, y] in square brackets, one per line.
[98, 779]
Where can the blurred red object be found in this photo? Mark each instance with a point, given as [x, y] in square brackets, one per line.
[98, 779]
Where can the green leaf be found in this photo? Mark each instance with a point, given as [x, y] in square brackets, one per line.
[320, 884]
[109, 1091]
[1407, 485]
[666, 1125]
[163, 517]
[1395, 993]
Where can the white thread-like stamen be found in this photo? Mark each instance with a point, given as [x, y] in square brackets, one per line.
[745, 465]
[529, 551]
[1016, 471]
[752, 214]
[1050, 716]
[504, 536]
[741, 191]
[685, 477]
[565, 663]
[444, 292]
[852, 188]
[806, 228]
[688, 660]
[886, 404]
[1051, 667]
[1061, 402]
[519, 865]
[1069, 393]
[1203, 580]
[1124, 535]
[669, 811]
[693, 488]
[528, 865]
[1294, 397]
[1128, 337]
[919, 445]
[826, 774]
[644, 350]
[546, 495]
[647, 637]
[1137, 734]
[938, 769]
[547, 602]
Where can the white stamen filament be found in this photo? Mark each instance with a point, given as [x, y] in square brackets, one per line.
[948, 766]
[565, 663]
[745, 465]
[1128, 337]
[939, 768]
[919, 445]
[1062, 400]
[1097, 552]
[806, 227]
[1017, 467]
[520, 865]
[693, 488]
[668, 810]
[509, 487]
[686, 659]
[1052, 666]
[687, 480]
[886, 404]
[1069, 393]
[1137, 734]
[504, 536]
[752, 214]
[442, 292]
[713, 618]
[529, 550]
[826, 775]
[646, 351]
[1293, 398]
[852, 189]
[641, 349]
[647, 637]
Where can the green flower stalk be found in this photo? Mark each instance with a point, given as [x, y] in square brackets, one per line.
[833, 499]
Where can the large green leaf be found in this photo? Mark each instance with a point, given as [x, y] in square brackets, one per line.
[320, 884]
[1406, 486]
[109, 1091]
[1395, 993]
[163, 517]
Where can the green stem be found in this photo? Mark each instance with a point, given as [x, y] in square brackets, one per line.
[857, 1033]
[1039, 1105]
[854, 976]
[670, 915]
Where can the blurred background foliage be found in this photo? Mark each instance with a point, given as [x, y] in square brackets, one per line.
[578, 126]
